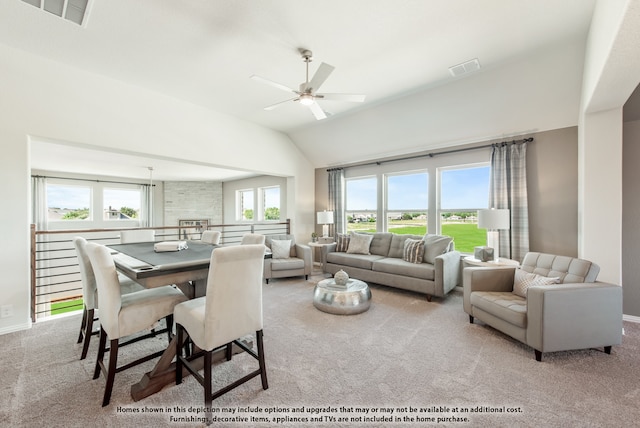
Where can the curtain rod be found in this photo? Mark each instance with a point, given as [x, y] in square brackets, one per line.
[446, 152]
[96, 181]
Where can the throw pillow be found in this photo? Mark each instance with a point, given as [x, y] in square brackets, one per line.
[359, 243]
[413, 250]
[522, 280]
[342, 243]
[280, 249]
[435, 245]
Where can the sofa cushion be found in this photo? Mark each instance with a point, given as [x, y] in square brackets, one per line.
[287, 264]
[360, 261]
[413, 251]
[435, 245]
[400, 267]
[281, 248]
[396, 247]
[504, 305]
[359, 243]
[342, 243]
[380, 243]
[522, 280]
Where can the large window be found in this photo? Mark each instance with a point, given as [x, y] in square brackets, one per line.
[463, 190]
[361, 204]
[407, 203]
[244, 200]
[68, 202]
[258, 204]
[121, 204]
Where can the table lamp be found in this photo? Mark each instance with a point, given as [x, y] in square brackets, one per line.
[494, 220]
[325, 218]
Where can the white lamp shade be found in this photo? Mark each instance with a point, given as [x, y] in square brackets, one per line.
[494, 219]
[325, 217]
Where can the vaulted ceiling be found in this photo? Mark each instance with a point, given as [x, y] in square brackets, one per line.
[396, 52]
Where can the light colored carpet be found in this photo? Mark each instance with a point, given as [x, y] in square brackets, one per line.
[404, 352]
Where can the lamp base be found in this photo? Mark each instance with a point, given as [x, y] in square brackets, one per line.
[325, 230]
[493, 241]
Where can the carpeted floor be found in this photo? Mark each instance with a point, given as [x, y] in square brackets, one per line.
[401, 363]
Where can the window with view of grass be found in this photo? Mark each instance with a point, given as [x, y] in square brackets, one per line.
[361, 204]
[68, 202]
[270, 203]
[244, 200]
[407, 202]
[463, 191]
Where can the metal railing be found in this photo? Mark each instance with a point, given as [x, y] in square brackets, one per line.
[56, 286]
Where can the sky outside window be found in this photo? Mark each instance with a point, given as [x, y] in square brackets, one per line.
[465, 188]
[362, 194]
[408, 191]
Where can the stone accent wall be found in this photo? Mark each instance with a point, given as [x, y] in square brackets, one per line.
[192, 200]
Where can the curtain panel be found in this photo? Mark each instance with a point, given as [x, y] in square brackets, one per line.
[336, 200]
[508, 190]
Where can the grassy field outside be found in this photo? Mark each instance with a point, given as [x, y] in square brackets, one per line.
[66, 306]
[466, 236]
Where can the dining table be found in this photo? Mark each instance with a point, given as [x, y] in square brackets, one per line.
[187, 269]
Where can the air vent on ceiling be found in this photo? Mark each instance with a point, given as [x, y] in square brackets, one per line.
[465, 67]
[71, 10]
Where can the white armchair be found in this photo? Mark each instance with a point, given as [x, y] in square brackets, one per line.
[287, 258]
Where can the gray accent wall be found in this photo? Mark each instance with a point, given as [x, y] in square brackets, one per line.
[192, 200]
[631, 218]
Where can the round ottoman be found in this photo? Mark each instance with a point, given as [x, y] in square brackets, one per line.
[340, 300]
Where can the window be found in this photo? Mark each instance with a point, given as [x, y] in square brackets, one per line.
[407, 203]
[463, 190]
[361, 204]
[270, 203]
[68, 202]
[244, 200]
[121, 204]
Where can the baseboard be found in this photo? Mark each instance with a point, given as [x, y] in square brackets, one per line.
[630, 318]
[15, 327]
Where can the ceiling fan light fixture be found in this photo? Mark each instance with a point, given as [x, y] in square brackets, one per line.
[306, 99]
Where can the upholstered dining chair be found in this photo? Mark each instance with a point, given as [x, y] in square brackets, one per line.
[125, 315]
[211, 237]
[252, 238]
[90, 296]
[231, 309]
[131, 236]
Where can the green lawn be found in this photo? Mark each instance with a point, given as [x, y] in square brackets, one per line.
[466, 236]
[66, 306]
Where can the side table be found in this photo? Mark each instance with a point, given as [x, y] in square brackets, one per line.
[501, 262]
[315, 245]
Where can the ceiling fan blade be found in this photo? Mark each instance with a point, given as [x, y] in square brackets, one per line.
[354, 98]
[321, 75]
[272, 83]
[317, 111]
[272, 106]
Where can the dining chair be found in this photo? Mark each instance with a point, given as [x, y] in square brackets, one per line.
[211, 237]
[131, 236]
[125, 315]
[90, 296]
[231, 309]
[252, 238]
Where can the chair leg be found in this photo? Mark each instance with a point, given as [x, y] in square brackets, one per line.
[261, 362]
[169, 321]
[101, 349]
[538, 355]
[111, 372]
[607, 349]
[267, 280]
[83, 325]
[179, 333]
[88, 330]
[470, 319]
[208, 396]
[229, 351]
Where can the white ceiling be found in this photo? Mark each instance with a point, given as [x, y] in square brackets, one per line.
[204, 52]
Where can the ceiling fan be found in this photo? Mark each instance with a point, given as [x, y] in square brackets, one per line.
[307, 94]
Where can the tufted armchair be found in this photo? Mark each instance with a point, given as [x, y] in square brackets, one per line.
[553, 304]
[287, 258]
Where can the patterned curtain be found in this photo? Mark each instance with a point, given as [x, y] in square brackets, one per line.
[336, 200]
[508, 189]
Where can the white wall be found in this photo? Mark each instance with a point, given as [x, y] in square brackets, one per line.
[51, 100]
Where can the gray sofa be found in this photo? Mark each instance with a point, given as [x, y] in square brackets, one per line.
[577, 312]
[437, 274]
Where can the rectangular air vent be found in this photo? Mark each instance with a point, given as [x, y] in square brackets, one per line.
[465, 67]
[71, 10]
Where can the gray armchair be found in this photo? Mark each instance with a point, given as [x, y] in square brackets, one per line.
[578, 312]
[297, 261]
